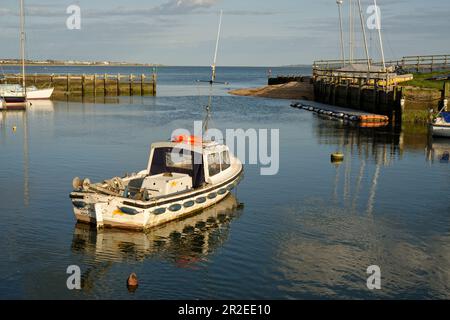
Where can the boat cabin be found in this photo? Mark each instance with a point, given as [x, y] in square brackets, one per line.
[178, 167]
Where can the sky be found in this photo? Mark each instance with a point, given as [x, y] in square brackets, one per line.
[183, 32]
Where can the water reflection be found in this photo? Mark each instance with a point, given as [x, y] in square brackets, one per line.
[11, 123]
[438, 150]
[184, 242]
[327, 256]
[41, 106]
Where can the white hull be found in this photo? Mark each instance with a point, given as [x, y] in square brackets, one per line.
[441, 132]
[440, 128]
[108, 211]
[40, 94]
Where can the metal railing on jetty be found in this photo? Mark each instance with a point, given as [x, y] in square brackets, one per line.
[421, 64]
[90, 84]
[416, 64]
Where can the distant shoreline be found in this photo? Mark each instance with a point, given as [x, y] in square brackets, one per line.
[80, 65]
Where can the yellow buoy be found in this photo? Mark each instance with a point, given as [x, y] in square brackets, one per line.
[14, 128]
[337, 157]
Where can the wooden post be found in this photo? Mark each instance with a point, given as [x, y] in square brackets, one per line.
[154, 84]
[131, 84]
[35, 76]
[418, 64]
[51, 79]
[375, 95]
[118, 84]
[94, 82]
[142, 84]
[105, 77]
[432, 63]
[82, 85]
[347, 94]
[446, 92]
[358, 100]
[68, 83]
[447, 89]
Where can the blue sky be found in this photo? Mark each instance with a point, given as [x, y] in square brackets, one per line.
[182, 32]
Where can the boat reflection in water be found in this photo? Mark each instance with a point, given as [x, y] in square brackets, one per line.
[185, 242]
[38, 106]
[438, 150]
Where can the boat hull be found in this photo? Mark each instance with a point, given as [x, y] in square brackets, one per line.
[115, 212]
[40, 94]
[441, 130]
[14, 103]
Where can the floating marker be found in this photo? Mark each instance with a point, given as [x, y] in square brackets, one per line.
[337, 157]
[132, 282]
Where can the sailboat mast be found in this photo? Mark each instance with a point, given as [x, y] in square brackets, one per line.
[339, 3]
[379, 34]
[350, 2]
[213, 67]
[22, 42]
[364, 36]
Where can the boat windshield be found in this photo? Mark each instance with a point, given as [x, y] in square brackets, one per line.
[173, 160]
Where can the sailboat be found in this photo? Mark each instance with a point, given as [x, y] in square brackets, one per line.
[183, 176]
[16, 96]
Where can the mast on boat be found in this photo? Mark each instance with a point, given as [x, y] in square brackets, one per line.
[365, 37]
[378, 18]
[339, 3]
[213, 67]
[213, 76]
[22, 43]
[351, 31]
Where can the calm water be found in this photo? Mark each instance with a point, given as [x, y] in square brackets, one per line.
[309, 232]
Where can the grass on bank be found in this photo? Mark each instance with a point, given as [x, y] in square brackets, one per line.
[421, 80]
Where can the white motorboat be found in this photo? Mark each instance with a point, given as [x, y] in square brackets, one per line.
[440, 127]
[182, 177]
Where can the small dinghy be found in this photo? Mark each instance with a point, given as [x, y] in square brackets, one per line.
[183, 176]
[440, 127]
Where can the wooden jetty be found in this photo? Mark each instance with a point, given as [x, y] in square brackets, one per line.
[381, 92]
[86, 85]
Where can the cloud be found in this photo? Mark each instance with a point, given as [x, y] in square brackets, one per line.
[184, 6]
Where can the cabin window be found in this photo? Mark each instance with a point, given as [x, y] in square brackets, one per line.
[225, 160]
[179, 160]
[213, 164]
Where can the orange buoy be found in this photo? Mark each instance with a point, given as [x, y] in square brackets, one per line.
[132, 282]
